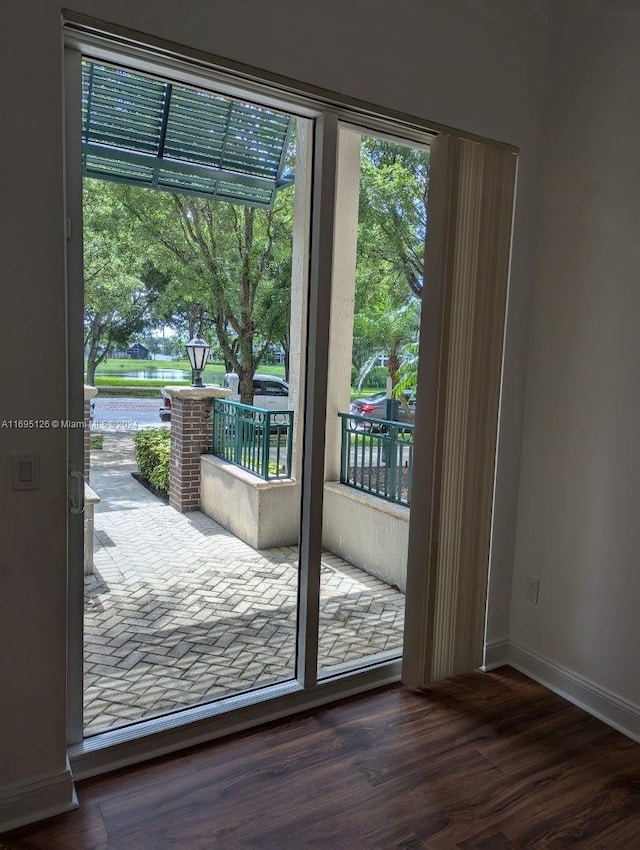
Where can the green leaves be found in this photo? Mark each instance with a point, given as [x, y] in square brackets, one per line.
[153, 455]
[393, 222]
[218, 269]
[223, 271]
[392, 226]
[116, 304]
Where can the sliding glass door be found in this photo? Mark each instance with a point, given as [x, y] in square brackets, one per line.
[288, 234]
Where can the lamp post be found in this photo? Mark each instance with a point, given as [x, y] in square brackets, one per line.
[197, 349]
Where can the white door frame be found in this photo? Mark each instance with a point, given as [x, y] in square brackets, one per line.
[75, 387]
[194, 725]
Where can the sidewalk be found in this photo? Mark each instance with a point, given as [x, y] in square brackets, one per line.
[179, 612]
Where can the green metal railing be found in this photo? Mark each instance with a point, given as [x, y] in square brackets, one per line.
[377, 457]
[257, 440]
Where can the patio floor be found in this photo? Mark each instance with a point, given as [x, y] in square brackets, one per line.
[179, 612]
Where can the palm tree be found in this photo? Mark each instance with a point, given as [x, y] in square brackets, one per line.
[386, 330]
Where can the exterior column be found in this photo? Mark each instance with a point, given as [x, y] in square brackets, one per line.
[343, 288]
[300, 288]
[89, 393]
[191, 435]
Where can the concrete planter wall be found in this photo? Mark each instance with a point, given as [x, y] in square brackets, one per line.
[363, 529]
[264, 514]
[366, 531]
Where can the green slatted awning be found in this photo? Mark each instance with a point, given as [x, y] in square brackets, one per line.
[151, 133]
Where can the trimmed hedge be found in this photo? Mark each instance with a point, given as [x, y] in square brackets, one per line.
[153, 456]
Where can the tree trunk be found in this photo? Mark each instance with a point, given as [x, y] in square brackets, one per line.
[246, 384]
[393, 366]
[92, 358]
[287, 354]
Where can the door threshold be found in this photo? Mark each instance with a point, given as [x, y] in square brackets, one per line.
[149, 739]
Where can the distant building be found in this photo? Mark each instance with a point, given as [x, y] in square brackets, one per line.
[138, 351]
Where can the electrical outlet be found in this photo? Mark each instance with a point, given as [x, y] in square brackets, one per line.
[532, 589]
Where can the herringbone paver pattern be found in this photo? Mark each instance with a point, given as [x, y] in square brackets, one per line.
[179, 612]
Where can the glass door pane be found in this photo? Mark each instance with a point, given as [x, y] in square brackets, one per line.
[191, 567]
[373, 360]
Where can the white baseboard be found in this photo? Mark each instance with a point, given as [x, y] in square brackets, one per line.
[495, 654]
[594, 699]
[25, 802]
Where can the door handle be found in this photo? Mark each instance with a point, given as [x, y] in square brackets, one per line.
[76, 492]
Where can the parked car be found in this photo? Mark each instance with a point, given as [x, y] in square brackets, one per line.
[270, 392]
[375, 407]
[165, 407]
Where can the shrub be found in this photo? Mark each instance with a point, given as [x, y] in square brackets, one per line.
[153, 456]
[160, 473]
[376, 378]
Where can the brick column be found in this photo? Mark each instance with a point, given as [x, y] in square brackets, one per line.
[89, 394]
[191, 424]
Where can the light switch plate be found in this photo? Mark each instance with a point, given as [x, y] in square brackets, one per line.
[25, 472]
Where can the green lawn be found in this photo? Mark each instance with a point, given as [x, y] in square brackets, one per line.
[117, 385]
[213, 371]
[109, 381]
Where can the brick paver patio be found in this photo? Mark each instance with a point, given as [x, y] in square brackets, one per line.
[179, 612]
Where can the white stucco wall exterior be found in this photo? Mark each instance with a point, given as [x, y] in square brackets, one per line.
[367, 531]
[264, 514]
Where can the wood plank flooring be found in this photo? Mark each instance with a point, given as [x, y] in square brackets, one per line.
[486, 760]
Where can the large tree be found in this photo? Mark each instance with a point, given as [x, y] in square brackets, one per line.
[222, 260]
[116, 299]
[392, 227]
[175, 298]
[393, 222]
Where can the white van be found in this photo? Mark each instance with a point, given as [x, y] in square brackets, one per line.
[269, 392]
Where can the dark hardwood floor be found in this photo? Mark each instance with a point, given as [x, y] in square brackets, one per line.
[487, 761]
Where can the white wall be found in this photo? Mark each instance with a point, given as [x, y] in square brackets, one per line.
[470, 64]
[380, 545]
[578, 522]
[265, 514]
